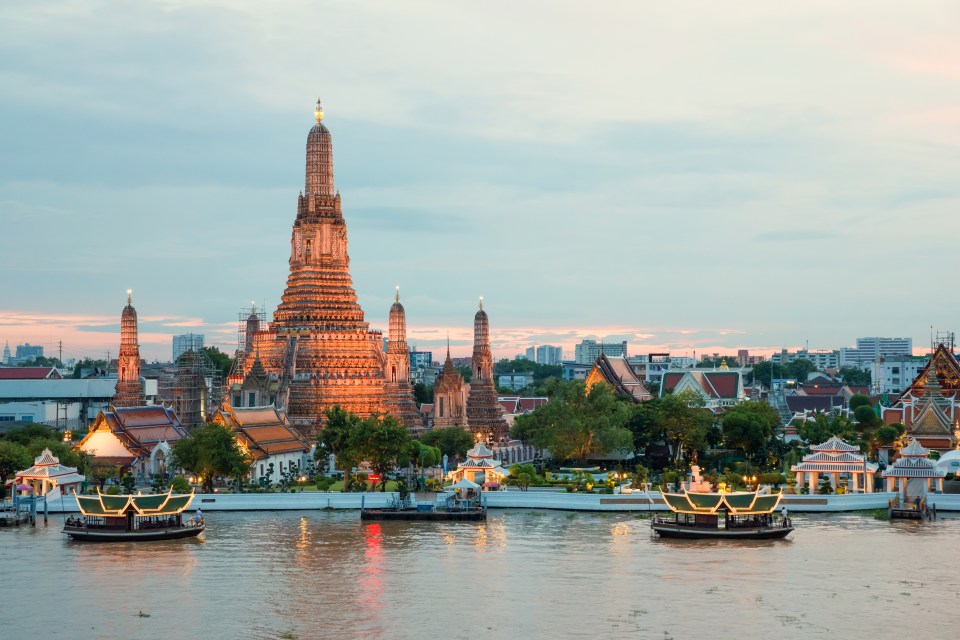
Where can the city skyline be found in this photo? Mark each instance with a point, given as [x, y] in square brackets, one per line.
[736, 199]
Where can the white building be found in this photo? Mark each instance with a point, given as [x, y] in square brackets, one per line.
[651, 367]
[869, 349]
[67, 404]
[588, 351]
[821, 359]
[549, 354]
[574, 370]
[894, 374]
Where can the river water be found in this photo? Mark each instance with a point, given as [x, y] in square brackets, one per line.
[522, 574]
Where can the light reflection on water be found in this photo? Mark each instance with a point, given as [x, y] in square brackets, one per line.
[522, 573]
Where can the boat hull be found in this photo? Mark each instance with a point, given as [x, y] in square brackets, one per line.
[669, 530]
[407, 515]
[142, 535]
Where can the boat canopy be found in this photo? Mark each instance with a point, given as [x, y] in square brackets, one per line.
[743, 503]
[159, 504]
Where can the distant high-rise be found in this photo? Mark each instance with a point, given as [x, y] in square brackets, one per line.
[187, 342]
[549, 354]
[869, 349]
[531, 354]
[27, 352]
[588, 351]
[6, 353]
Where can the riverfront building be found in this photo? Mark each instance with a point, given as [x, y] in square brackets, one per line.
[266, 435]
[48, 477]
[913, 475]
[137, 439]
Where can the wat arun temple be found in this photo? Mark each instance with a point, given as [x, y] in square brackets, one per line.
[319, 351]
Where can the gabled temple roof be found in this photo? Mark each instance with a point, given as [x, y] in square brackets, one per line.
[914, 463]
[835, 444]
[714, 384]
[263, 431]
[617, 372]
[29, 373]
[138, 429]
[947, 370]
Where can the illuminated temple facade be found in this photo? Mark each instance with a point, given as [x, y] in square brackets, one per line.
[318, 346]
[398, 392]
[129, 391]
[484, 413]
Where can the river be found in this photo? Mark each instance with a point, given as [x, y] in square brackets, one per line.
[522, 574]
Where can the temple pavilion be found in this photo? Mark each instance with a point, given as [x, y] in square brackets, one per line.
[836, 459]
[48, 477]
[913, 475]
[479, 467]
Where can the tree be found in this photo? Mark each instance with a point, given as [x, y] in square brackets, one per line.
[525, 475]
[577, 422]
[859, 400]
[453, 442]
[383, 442]
[41, 361]
[888, 434]
[219, 359]
[423, 393]
[180, 485]
[685, 423]
[866, 418]
[855, 377]
[466, 372]
[748, 426]
[88, 363]
[100, 472]
[823, 426]
[13, 457]
[338, 437]
[209, 451]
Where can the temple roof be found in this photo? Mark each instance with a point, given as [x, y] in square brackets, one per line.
[138, 429]
[29, 373]
[617, 372]
[947, 369]
[835, 444]
[480, 450]
[263, 431]
[48, 466]
[714, 384]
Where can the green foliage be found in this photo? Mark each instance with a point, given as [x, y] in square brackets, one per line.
[454, 442]
[855, 377]
[219, 359]
[113, 490]
[798, 370]
[210, 451]
[866, 418]
[100, 472]
[466, 372]
[379, 440]
[179, 484]
[128, 482]
[541, 373]
[41, 361]
[423, 455]
[577, 422]
[685, 423]
[641, 475]
[159, 484]
[773, 478]
[888, 434]
[423, 393]
[748, 426]
[88, 363]
[859, 400]
[13, 457]
[324, 484]
[525, 475]
[823, 426]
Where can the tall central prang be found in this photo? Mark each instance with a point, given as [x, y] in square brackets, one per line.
[318, 346]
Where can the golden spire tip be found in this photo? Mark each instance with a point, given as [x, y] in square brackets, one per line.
[318, 112]
[397, 296]
[129, 296]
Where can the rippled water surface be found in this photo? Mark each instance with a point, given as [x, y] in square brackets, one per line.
[523, 574]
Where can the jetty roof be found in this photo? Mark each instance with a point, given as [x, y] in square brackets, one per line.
[161, 504]
[738, 503]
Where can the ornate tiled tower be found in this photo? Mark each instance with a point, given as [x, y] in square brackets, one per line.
[449, 396]
[398, 392]
[484, 414]
[318, 344]
[129, 392]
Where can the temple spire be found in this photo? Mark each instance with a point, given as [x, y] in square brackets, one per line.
[129, 297]
[318, 112]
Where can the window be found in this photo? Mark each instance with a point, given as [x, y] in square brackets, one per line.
[441, 407]
[7, 418]
[26, 418]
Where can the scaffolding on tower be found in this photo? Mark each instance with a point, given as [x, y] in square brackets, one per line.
[193, 387]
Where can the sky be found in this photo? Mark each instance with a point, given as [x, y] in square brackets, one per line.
[686, 176]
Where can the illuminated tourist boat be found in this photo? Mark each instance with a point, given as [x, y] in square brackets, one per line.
[133, 518]
[740, 515]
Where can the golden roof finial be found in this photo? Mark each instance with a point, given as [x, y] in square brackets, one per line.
[318, 112]
[253, 307]
[397, 296]
[129, 296]
[481, 303]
